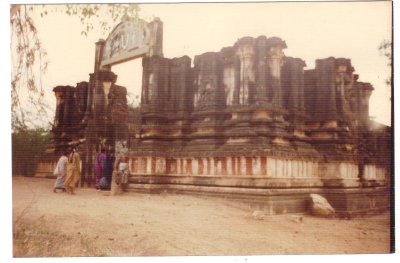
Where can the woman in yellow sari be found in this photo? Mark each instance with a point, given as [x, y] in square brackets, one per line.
[73, 171]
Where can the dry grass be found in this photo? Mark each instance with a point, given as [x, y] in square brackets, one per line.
[37, 237]
[33, 238]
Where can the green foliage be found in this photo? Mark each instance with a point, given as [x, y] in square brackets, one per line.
[26, 145]
[95, 13]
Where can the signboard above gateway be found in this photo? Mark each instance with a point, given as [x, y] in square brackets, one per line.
[132, 39]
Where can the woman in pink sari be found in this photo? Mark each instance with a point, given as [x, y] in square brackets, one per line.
[99, 167]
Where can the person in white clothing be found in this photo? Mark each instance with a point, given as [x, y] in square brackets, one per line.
[60, 171]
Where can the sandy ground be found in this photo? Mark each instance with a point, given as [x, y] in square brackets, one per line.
[93, 223]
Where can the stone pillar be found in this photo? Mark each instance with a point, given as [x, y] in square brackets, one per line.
[229, 74]
[156, 38]
[345, 89]
[274, 61]
[99, 55]
[155, 82]
[293, 85]
[179, 95]
[261, 69]
[108, 117]
[118, 112]
[237, 81]
[245, 51]
[146, 69]
[101, 83]
[155, 92]
[325, 104]
[210, 101]
[179, 98]
[293, 93]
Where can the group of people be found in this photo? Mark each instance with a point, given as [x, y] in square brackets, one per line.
[68, 171]
[105, 165]
[103, 168]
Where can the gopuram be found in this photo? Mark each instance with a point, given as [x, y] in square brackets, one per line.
[246, 123]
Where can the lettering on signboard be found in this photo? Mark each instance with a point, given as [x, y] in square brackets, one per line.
[128, 40]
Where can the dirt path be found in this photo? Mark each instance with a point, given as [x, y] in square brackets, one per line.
[92, 223]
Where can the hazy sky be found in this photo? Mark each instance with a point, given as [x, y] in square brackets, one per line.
[312, 30]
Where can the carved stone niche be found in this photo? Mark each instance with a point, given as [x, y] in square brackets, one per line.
[261, 69]
[208, 82]
[227, 57]
[155, 85]
[293, 94]
[344, 88]
[179, 96]
[245, 53]
[275, 56]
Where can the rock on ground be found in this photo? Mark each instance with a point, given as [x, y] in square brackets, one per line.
[321, 206]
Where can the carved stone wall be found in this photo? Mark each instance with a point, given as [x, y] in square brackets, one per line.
[251, 100]
[167, 100]
[247, 110]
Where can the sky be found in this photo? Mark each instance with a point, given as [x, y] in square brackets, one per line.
[312, 30]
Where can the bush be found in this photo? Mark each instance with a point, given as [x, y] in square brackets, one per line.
[26, 145]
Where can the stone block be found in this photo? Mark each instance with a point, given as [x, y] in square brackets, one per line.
[320, 206]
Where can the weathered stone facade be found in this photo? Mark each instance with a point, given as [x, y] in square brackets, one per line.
[246, 117]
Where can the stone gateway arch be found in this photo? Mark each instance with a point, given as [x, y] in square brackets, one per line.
[245, 122]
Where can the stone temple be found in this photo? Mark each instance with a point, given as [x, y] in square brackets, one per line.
[245, 122]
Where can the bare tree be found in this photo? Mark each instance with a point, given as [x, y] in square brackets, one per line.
[385, 49]
[28, 55]
[30, 59]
